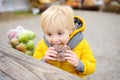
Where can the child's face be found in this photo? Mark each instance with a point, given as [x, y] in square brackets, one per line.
[57, 35]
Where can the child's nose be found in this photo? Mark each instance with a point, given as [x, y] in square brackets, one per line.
[55, 41]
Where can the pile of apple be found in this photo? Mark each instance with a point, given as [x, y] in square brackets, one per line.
[22, 39]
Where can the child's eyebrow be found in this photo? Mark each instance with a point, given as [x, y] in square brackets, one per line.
[47, 32]
[60, 30]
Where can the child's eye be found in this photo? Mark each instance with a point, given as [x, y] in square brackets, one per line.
[49, 34]
[59, 33]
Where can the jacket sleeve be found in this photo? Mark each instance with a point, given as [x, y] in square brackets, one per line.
[39, 51]
[87, 58]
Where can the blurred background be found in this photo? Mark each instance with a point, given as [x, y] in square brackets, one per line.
[14, 8]
[41, 5]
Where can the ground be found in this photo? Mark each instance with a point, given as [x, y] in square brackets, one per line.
[102, 32]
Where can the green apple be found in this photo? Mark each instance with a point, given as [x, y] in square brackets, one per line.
[21, 47]
[23, 37]
[28, 52]
[14, 42]
[31, 35]
[30, 45]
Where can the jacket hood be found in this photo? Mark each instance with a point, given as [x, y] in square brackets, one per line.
[79, 25]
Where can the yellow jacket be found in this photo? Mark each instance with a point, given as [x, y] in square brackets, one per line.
[82, 50]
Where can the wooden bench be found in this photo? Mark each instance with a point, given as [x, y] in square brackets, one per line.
[15, 65]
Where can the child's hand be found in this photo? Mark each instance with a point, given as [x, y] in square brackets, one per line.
[51, 54]
[72, 58]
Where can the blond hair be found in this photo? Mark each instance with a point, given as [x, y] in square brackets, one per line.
[58, 16]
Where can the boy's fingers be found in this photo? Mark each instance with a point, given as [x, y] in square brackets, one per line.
[53, 55]
[52, 58]
[67, 55]
[51, 48]
[69, 51]
[53, 52]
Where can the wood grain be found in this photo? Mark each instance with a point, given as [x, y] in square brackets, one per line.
[15, 65]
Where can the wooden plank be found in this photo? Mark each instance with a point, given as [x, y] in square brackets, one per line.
[4, 76]
[15, 65]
